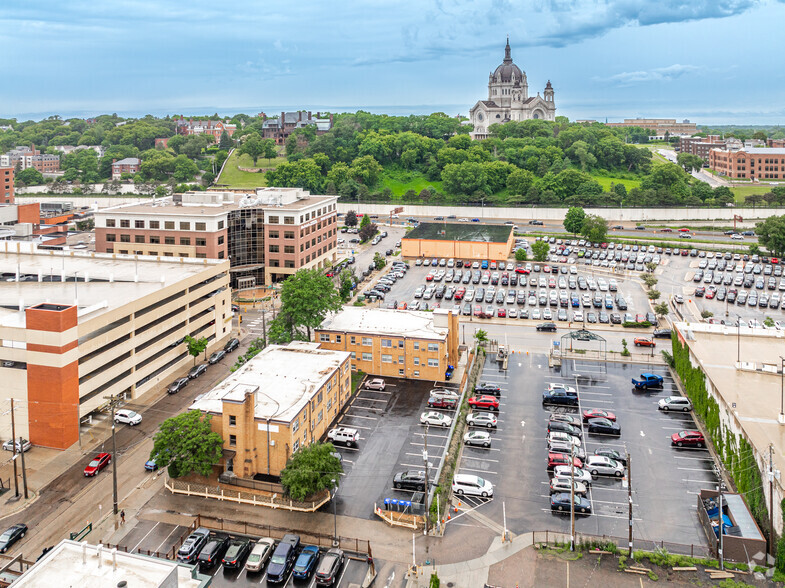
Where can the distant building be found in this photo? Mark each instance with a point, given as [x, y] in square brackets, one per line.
[701, 146]
[509, 100]
[459, 241]
[215, 128]
[279, 129]
[66, 149]
[6, 185]
[26, 157]
[660, 126]
[162, 142]
[129, 165]
[754, 163]
[776, 143]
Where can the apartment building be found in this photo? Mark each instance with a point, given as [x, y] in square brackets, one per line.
[755, 163]
[267, 234]
[116, 327]
[281, 400]
[279, 129]
[701, 146]
[6, 185]
[26, 157]
[394, 343]
[215, 128]
[129, 165]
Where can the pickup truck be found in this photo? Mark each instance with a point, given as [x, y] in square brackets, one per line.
[647, 381]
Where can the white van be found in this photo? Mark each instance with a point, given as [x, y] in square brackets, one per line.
[471, 485]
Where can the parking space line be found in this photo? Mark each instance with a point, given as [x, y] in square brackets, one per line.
[359, 416]
[356, 426]
[431, 435]
[672, 428]
[692, 469]
[369, 400]
[585, 393]
[699, 481]
[157, 549]
[417, 465]
[696, 458]
[481, 471]
[481, 458]
[145, 537]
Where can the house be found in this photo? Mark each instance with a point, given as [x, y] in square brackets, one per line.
[129, 165]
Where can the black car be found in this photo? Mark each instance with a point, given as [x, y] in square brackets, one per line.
[559, 397]
[662, 333]
[549, 327]
[236, 553]
[283, 559]
[235, 308]
[330, 567]
[232, 344]
[177, 385]
[197, 371]
[487, 388]
[216, 357]
[410, 480]
[11, 536]
[611, 453]
[561, 502]
[604, 427]
[190, 548]
[562, 427]
[212, 552]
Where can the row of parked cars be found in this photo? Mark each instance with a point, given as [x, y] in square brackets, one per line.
[282, 559]
[198, 370]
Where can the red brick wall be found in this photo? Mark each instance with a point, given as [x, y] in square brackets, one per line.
[6, 185]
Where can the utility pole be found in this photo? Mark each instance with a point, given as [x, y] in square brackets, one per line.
[24, 471]
[113, 402]
[720, 521]
[629, 501]
[13, 448]
[572, 499]
[425, 458]
[771, 499]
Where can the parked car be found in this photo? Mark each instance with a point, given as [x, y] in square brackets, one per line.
[565, 418]
[128, 417]
[481, 438]
[471, 485]
[212, 552]
[688, 439]
[612, 453]
[283, 558]
[643, 342]
[556, 459]
[197, 371]
[564, 472]
[236, 553]
[21, 445]
[598, 413]
[560, 485]
[260, 553]
[559, 397]
[435, 418]
[330, 567]
[604, 427]
[344, 436]
[192, 545]
[216, 357]
[481, 419]
[487, 388]
[232, 344]
[442, 402]
[485, 402]
[11, 535]
[177, 385]
[561, 502]
[306, 562]
[410, 480]
[662, 333]
[375, 384]
[98, 463]
[599, 465]
[675, 403]
[151, 465]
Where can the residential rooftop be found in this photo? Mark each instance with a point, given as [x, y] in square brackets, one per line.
[461, 232]
[383, 321]
[282, 378]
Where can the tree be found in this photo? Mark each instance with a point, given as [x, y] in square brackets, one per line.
[654, 294]
[368, 231]
[311, 469]
[540, 250]
[754, 249]
[252, 146]
[379, 261]
[346, 281]
[661, 309]
[481, 336]
[594, 228]
[29, 177]
[351, 219]
[520, 254]
[706, 314]
[185, 443]
[651, 266]
[771, 234]
[306, 298]
[268, 149]
[649, 279]
[689, 162]
[226, 141]
[573, 220]
[196, 346]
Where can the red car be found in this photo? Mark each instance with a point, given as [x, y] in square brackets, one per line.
[684, 230]
[99, 462]
[546, 269]
[641, 342]
[521, 270]
[478, 310]
[501, 313]
[775, 260]
[710, 294]
[486, 402]
[429, 278]
[557, 459]
[442, 402]
[688, 439]
[459, 293]
[667, 230]
[597, 413]
[685, 252]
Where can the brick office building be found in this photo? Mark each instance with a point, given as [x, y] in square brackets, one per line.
[660, 126]
[754, 163]
[701, 146]
[267, 235]
[26, 157]
[129, 165]
[6, 185]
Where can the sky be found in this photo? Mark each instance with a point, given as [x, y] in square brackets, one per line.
[709, 61]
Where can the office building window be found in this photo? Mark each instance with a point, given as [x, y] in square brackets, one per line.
[152, 253]
[367, 357]
[125, 223]
[185, 226]
[386, 342]
[273, 220]
[201, 255]
[138, 238]
[288, 234]
[288, 220]
[154, 224]
[221, 240]
[138, 224]
[337, 338]
[200, 226]
[232, 440]
[155, 240]
[169, 240]
[110, 222]
[400, 371]
[232, 420]
[400, 359]
[288, 248]
[169, 225]
[201, 242]
[354, 355]
[185, 240]
[288, 263]
[125, 238]
[273, 234]
[273, 248]
[220, 255]
[275, 263]
[387, 359]
[416, 373]
[168, 254]
[111, 237]
[220, 225]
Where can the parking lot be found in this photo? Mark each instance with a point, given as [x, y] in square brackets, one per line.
[665, 479]
[158, 536]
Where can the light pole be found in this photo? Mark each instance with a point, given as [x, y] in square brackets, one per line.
[782, 391]
[335, 515]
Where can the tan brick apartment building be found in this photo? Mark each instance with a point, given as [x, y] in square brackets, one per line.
[281, 400]
[64, 347]
[129, 165]
[394, 343]
[267, 235]
[6, 185]
[754, 163]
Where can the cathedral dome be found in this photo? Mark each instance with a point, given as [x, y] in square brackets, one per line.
[507, 68]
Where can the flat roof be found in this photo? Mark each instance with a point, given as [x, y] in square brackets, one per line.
[64, 566]
[282, 378]
[765, 150]
[385, 321]
[100, 296]
[461, 232]
[753, 393]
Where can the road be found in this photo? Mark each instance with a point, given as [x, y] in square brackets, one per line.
[700, 174]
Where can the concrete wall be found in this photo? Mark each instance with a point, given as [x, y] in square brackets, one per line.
[557, 214]
[411, 248]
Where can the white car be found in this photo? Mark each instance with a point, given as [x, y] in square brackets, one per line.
[599, 465]
[443, 393]
[562, 472]
[261, 552]
[577, 316]
[675, 403]
[463, 220]
[481, 419]
[127, 416]
[561, 485]
[435, 418]
[567, 448]
[375, 384]
[737, 237]
[481, 438]
[560, 437]
[556, 386]
[24, 445]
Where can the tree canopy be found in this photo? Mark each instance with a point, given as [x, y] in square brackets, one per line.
[573, 220]
[311, 469]
[771, 234]
[185, 443]
[540, 250]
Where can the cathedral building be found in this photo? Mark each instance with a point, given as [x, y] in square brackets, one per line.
[508, 99]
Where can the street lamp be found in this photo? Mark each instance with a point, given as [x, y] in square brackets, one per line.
[781, 418]
[335, 515]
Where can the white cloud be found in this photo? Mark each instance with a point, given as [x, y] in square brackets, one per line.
[658, 74]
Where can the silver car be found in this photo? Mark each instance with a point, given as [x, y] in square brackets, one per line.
[481, 438]
[481, 419]
[675, 403]
[261, 552]
[562, 472]
[599, 465]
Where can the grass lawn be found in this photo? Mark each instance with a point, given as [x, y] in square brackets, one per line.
[606, 181]
[401, 182]
[235, 178]
[741, 192]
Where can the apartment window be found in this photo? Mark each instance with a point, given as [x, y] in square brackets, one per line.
[154, 224]
[288, 263]
[168, 254]
[274, 263]
[220, 225]
[400, 372]
[353, 355]
[329, 404]
[123, 251]
[433, 362]
[138, 238]
[138, 224]
[185, 240]
[400, 344]
[125, 238]
[416, 344]
[367, 341]
[296, 446]
[169, 240]
[352, 340]
[273, 235]
[367, 357]
[400, 359]
[111, 237]
[288, 220]
[220, 255]
[169, 225]
[274, 248]
[296, 425]
[288, 234]
[110, 222]
[387, 359]
[155, 240]
[221, 240]
[337, 338]
[416, 361]
[386, 342]
[201, 255]
[274, 220]
[183, 254]
[201, 242]
[416, 373]
[324, 337]
[232, 440]
[288, 248]
[185, 226]
[125, 223]
[152, 253]
[433, 347]
[200, 226]
[232, 420]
